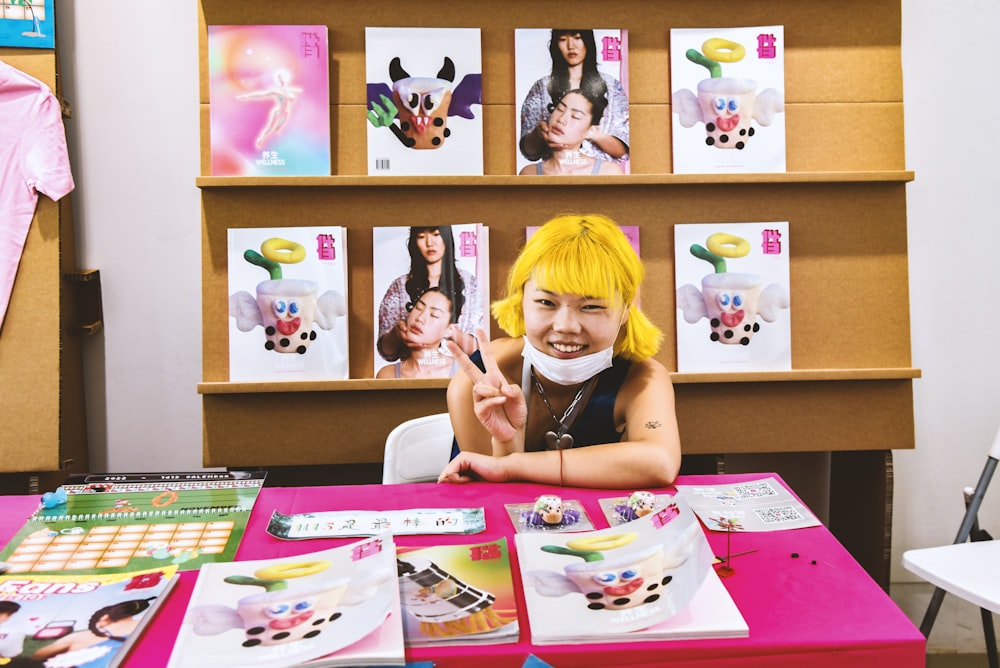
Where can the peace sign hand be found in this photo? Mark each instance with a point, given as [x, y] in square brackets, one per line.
[498, 404]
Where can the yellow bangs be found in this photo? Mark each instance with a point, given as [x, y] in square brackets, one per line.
[584, 255]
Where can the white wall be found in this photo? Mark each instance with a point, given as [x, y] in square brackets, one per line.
[947, 48]
[130, 71]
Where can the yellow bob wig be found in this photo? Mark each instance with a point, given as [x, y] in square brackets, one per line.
[582, 255]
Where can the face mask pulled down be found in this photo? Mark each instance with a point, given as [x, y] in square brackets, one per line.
[567, 371]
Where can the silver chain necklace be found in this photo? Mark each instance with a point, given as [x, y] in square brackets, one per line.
[561, 440]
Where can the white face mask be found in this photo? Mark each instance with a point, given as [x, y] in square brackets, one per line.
[567, 371]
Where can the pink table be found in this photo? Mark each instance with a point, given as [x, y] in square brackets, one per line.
[800, 613]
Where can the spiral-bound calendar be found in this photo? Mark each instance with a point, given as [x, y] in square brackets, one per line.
[106, 523]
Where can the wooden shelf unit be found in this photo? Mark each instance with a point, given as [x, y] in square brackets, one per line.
[844, 195]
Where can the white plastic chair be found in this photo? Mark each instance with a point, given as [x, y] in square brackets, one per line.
[417, 450]
[965, 569]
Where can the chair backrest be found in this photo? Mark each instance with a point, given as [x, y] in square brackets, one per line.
[417, 450]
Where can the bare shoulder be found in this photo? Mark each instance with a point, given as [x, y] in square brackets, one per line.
[647, 384]
[648, 370]
[645, 404]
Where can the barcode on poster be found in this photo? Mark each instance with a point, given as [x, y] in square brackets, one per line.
[778, 514]
[382, 164]
[754, 490]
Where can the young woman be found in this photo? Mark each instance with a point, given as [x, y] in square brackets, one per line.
[588, 406]
[432, 264]
[574, 66]
[571, 122]
[426, 326]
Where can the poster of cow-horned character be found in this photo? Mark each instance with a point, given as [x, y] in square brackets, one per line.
[424, 101]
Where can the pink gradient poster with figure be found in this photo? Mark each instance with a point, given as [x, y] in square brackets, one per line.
[269, 100]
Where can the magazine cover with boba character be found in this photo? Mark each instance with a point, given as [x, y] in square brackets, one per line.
[647, 579]
[733, 297]
[728, 99]
[288, 303]
[334, 607]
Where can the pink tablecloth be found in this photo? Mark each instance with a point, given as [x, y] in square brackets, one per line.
[819, 609]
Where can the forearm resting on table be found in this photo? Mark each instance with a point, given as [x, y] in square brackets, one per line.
[612, 466]
[630, 464]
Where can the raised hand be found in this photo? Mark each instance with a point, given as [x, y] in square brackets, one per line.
[498, 404]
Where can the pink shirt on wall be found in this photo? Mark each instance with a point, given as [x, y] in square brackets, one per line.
[33, 160]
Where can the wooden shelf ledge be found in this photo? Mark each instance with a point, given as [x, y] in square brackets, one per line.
[900, 176]
[352, 385]
[797, 375]
[370, 384]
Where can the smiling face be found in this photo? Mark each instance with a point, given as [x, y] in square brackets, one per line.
[429, 319]
[571, 120]
[572, 48]
[566, 325]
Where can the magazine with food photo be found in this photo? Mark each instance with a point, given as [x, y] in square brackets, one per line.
[457, 594]
[733, 297]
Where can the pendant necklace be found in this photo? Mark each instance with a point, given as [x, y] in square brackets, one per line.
[561, 440]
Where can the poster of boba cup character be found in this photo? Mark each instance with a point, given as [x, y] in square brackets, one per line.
[728, 99]
[592, 586]
[287, 303]
[733, 297]
[340, 603]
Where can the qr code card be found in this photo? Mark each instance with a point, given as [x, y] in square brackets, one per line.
[755, 505]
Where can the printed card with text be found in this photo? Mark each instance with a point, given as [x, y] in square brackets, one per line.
[753, 505]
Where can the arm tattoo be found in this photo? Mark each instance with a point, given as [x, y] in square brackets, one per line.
[653, 424]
